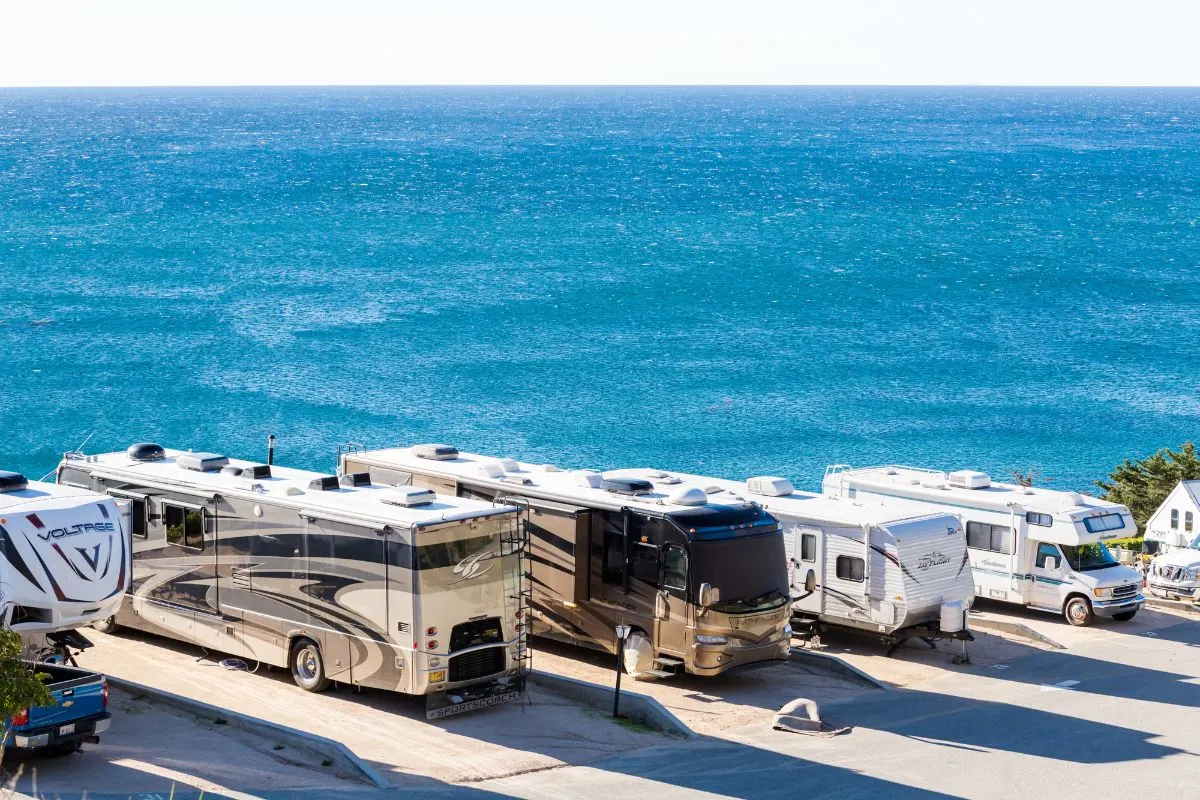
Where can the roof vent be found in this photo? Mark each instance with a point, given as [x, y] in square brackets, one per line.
[12, 481]
[256, 471]
[588, 479]
[146, 451]
[770, 487]
[548, 468]
[688, 496]
[490, 469]
[201, 462]
[356, 479]
[325, 483]
[668, 480]
[436, 452]
[407, 496]
[654, 474]
[519, 480]
[969, 479]
[713, 488]
[626, 486]
[508, 464]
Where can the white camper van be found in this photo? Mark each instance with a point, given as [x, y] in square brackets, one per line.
[64, 563]
[1035, 547]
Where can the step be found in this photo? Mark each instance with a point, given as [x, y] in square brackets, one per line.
[667, 661]
[659, 673]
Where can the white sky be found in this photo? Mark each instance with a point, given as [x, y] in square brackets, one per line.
[345, 42]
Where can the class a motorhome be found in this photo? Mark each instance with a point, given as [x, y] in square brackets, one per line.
[336, 578]
[701, 581]
[1031, 546]
[898, 574]
[64, 557]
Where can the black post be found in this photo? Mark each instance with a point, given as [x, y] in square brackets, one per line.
[271, 449]
[617, 694]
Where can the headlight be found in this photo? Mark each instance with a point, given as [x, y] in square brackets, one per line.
[787, 631]
[702, 639]
[1102, 592]
[1194, 572]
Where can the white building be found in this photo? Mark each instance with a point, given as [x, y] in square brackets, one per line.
[1176, 523]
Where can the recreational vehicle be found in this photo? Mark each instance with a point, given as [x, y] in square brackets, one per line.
[63, 555]
[701, 581]
[1173, 534]
[338, 579]
[1034, 547]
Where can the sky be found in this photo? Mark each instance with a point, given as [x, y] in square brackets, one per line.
[574, 42]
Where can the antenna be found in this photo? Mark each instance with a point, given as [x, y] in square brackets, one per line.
[270, 449]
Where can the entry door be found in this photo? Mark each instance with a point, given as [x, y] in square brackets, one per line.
[1047, 583]
[671, 628]
[805, 566]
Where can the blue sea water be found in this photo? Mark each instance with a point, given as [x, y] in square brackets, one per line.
[734, 281]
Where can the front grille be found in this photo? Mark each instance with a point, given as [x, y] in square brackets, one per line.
[476, 664]
[473, 634]
[1125, 591]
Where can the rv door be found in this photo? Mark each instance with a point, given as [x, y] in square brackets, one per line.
[805, 562]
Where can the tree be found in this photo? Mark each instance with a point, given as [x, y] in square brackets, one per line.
[1143, 484]
[20, 686]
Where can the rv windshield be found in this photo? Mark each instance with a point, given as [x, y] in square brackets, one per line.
[1088, 556]
[750, 572]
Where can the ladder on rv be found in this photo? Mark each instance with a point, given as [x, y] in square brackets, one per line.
[515, 541]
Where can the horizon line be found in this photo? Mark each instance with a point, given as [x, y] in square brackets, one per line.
[603, 86]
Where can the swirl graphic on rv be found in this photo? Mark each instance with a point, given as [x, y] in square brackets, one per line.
[472, 567]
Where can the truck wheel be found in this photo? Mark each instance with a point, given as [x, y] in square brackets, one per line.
[107, 625]
[1125, 616]
[308, 669]
[1078, 612]
[638, 655]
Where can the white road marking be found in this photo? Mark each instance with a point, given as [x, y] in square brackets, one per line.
[999, 666]
[1058, 687]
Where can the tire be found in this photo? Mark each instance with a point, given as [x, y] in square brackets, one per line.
[108, 625]
[1078, 612]
[1125, 616]
[308, 667]
[637, 656]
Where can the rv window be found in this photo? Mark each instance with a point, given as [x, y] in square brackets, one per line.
[645, 563]
[137, 519]
[808, 547]
[1047, 551]
[1187, 520]
[185, 526]
[614, 557]
[1034, 518]
[850, 568]
[1174, 519]
[428, 556]
[675, 570]
[982, 536]
[1104, 522]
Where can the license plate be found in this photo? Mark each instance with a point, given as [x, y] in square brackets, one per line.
[471, 705]
[66, 729]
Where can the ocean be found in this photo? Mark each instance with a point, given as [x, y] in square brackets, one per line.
[729, 281]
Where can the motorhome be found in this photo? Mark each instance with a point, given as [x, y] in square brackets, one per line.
[700, 581]
[64, 559]
[336, 578]
[1031, 546]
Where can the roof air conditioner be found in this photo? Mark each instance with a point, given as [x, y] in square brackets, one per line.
[969, 479]
[508, 464]
[626, 486]
[12, 481]
[688, 496]
[201, 462]
[407, 496]
[587, 479]
[770, 487]
[490, 469]
[436, 452]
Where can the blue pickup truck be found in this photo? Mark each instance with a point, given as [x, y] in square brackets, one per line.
[80, 716]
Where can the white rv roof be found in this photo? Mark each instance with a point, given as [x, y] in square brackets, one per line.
[36, 491]
[544, 481]
[286, 487]
[923, 484]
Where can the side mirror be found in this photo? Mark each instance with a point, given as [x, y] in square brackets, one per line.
[1051, 564]
[709, 595]
[661, 611]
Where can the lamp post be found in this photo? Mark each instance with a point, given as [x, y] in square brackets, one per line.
[622, 634]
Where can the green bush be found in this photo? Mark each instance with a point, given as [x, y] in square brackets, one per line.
[1133, 543]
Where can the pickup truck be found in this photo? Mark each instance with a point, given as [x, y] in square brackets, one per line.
[80, 716]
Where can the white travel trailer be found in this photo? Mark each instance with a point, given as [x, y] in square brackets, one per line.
[1035, 547]
[1174, 530]
[898, 574]
[64, 561]
[338, 579]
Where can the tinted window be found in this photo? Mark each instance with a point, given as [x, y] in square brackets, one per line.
[1048, 551]
[808, 547]
[1174, 518]
[137, 519]
[1034, 518]
[433, 556]
[1105, 522]
[1187, 520]
[850, 568]
[645, 563]
[982, 536]
[185, 526]
[675, 569]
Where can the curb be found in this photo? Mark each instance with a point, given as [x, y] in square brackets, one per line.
[830, 663]
[1173, 605]
[1016, 629]
[338, 753]
[634, 705]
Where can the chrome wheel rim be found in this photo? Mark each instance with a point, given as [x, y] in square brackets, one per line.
[1077, 611]
[306, 664]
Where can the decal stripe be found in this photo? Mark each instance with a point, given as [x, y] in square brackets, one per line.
[74, 568]
[8, 548]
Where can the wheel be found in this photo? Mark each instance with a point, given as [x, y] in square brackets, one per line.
[1125, 616]
[1078, 612]
[308, 669]
[108, 625]
[638, 655]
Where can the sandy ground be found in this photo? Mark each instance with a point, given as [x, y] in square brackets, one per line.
[385, 728]
[154, 749]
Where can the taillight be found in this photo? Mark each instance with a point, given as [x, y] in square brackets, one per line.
[431, 644]
[21, 717]
[431, 631]
[104, 694]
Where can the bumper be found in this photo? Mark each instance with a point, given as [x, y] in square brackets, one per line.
[1108, 608]
[711, 661]
[1186, 590]
[60, 734]
[472, 698]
